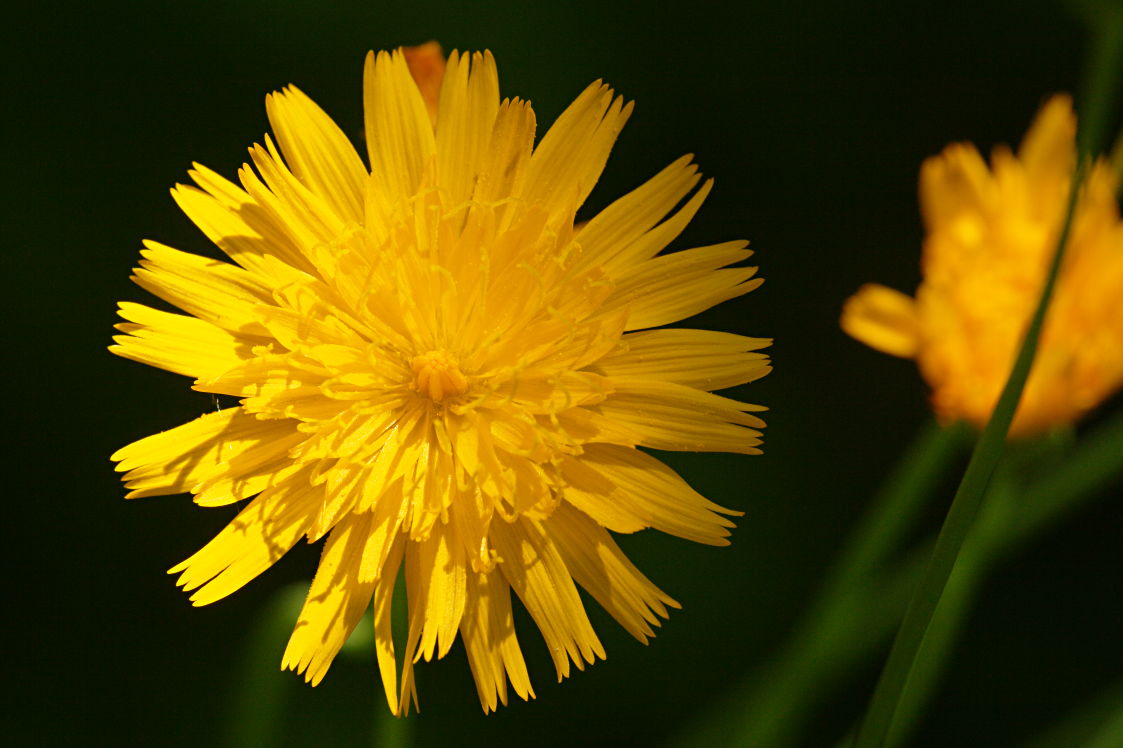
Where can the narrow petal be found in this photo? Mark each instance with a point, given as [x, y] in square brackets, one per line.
[336, 602]
[231, 219]
[217, 292]
[608, 235]
[249, 474]
[640, 485]
[180, 344]
[441, 573]
[318, 152]
[704, 359]
[176, 460]
[534, 569]
[1046, 150]
[674, 286]
[503, 168]
[469, 104]
[303, 215]
[488, 631]
[400, 138]
[383, 624]
[670, 416]
[883, 319]
[596, 496]
[599, 566]
[573, 152]
[257, 538]
[955, 187]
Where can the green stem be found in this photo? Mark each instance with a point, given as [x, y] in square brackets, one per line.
[896, 506]
[1116, 162]
[876, 725]
[261, 688]
[1096, 724]
[1107, 736]
[810, 660]
[390, 731]
[776, 700]
[829, 647]
[955, 604]
[1097, 461]
[772, 704]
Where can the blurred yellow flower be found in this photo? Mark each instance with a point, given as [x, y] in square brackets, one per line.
[438, 373]
[991, 233]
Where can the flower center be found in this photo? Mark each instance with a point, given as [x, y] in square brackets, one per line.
[438, 376]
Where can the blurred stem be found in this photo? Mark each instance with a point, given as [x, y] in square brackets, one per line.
[955, 603]
[835, 637]
[875, 728]
[260, 695]
[774, 702]
[390, 731]
[895, 507]
[1116, 161]
[1105, 62]
[1097, 461]
[1096, 723]
[1011, 518]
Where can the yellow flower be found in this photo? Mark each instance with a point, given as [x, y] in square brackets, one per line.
[990, 238]
[440, 374]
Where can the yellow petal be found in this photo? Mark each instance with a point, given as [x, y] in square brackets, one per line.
[230, 218]
[400, 138]
[216, 444]
[512, 140]
[635, 484]
[184, 345]
[674, 286]
[573, 152]
[383, 624]
[318, 152]
[386, 520]
[469, 104]
[249, 474]
[252, 542]
[607, 238]
[595, 495]
[954, 184]
[883, 319]
[704, 359]
[306, 217]
[598, 565]
[214, 291]
[488, 632]
[1047, 149]
[439, 569]
[531, 565]
[336, 602]
[670, 416]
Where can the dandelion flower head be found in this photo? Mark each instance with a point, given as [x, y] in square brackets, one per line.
[439, 374]
[991, 233]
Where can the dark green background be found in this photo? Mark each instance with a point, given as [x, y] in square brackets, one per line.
[813, 117]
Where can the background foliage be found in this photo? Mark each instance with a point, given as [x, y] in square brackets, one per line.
[812, 117]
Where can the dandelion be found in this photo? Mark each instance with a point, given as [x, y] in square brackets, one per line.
[441, 374]
[991, 233]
